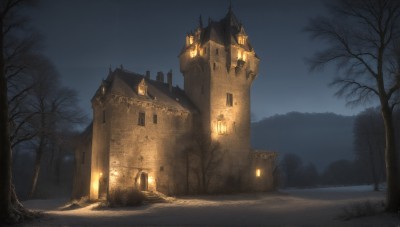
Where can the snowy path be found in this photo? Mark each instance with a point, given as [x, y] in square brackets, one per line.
[311, 207]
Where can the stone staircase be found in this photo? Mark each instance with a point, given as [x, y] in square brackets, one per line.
[154, 197]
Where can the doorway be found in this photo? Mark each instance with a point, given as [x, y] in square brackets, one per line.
[144, 182]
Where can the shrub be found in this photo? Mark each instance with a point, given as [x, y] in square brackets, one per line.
[120, 197]
[361, 209]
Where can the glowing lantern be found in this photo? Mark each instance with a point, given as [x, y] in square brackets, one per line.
[258, 172]
[221, 127]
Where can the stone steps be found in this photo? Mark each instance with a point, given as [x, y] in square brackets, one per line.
[152, 197]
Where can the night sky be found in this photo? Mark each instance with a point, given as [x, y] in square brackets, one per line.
[83, 38]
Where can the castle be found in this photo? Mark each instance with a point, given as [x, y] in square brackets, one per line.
[150, 135]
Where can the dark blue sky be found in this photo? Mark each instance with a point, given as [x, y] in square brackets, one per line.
[84, 37]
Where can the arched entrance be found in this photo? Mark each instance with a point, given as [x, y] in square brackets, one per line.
[143, 181]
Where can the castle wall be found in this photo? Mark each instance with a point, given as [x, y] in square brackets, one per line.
[83, 153]
[100, 148]
[262, 171]
[150, 149]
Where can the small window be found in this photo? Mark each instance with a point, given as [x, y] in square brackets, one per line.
[161, 168]
[216, 51]
[142, 119]
[241, 40]
[155, 120]
[229, 99]
[214, 66]
[104, 116]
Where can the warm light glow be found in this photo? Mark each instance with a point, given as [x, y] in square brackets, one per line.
[191, 40]
[241, 40]
[221, 127]
[150, 180]
[193, 53]
[258, 172]
[141, 90]
[103, 90]
[241, 55]
[95, 182]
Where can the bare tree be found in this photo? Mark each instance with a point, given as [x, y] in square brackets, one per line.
[11, 46]
[369, 143]
[56, 108]
[207, 157]
[363, 39]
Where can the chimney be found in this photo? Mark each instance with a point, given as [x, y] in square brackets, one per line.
[169, 79]
[148, 74]
[160, 77]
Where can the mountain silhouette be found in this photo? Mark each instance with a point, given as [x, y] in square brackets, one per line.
[319, 138]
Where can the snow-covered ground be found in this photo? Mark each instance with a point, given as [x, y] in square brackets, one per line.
[308, 207]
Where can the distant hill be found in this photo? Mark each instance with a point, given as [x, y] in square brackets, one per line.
[316, 137]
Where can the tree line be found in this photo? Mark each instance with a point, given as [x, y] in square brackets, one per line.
[368, 166]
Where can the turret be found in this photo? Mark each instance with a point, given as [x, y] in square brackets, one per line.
[219, 65]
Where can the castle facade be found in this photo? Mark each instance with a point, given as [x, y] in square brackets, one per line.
[147, 134]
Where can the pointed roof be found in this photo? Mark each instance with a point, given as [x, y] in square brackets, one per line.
[224, 31]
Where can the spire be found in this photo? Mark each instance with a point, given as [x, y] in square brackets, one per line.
[200, 22]
[230, 6]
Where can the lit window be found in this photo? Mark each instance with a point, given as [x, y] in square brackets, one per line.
[142, 119]
[241, 40]
[229, 99]
[142, 88]
[155, 120]
[258, 172]
[191, 38]
[103, 90]
[221, 127]
[241, 55]
[193, 53]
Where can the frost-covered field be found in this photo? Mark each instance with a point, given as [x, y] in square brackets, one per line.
[309, 207]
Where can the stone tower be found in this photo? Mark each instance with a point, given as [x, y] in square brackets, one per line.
[219, 65]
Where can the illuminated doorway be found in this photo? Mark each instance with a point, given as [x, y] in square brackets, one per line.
[144, 182]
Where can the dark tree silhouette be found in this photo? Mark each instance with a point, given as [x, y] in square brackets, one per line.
[54, 107]
[369, 144]
[11, 47]
[208, 155]
[290, 165]
[363, 39]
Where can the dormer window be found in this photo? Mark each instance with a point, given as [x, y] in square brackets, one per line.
[194, 51]
[142, 88]
[241, 39]
[189, 40]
